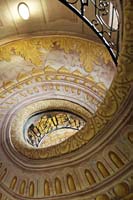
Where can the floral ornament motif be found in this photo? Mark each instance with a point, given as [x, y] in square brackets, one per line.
[30, 50]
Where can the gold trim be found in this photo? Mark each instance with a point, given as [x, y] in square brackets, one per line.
[74, 142]
[29, 49]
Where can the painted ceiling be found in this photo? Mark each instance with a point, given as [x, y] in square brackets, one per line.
[54, 64]
[62, 54]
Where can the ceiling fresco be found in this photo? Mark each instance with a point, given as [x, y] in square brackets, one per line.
[69, 55]
[47, 129]
[85, 151]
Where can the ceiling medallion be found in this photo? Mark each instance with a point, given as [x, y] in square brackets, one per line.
[50, 128]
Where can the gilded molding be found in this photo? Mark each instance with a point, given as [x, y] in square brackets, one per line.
[18, 121]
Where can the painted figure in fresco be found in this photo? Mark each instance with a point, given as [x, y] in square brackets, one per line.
[49, 123]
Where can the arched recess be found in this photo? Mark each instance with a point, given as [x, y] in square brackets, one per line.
[22, 187]
[89, 177]
[102, 169]
[70, 183]
[115, 159]
[46, 188]
[58, 186]
[31, 189]
[13, 183]
[3, 174]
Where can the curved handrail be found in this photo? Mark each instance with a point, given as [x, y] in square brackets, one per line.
[105, 23]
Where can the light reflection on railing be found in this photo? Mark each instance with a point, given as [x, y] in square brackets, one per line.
[102, 17]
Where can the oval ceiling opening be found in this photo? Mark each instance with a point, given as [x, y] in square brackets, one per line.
[46, 129]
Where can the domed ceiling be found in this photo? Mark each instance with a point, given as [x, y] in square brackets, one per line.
[65, 108]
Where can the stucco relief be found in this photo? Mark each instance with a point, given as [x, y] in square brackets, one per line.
[77, 122]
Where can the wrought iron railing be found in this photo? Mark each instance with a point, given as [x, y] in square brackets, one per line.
[102, 17]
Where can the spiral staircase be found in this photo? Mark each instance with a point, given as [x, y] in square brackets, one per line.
[53, 66]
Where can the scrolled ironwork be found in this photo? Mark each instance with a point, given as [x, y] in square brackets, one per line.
[103, 19]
